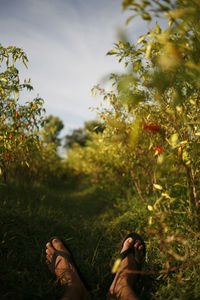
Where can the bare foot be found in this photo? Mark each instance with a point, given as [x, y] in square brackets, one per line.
[65, 271]
[124, 281]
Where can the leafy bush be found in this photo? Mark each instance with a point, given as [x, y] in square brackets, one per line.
[23, 157]
[150, 145]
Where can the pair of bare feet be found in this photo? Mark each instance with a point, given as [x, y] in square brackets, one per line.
[123, 284]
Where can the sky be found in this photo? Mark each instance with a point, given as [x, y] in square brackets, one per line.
[66, 42]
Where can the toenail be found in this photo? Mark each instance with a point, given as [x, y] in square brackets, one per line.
[55, 240]
[130, 240]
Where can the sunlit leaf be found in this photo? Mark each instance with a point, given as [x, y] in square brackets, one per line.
[111, 52]
[150, 220]
[141, 39]
[173, 139]
[165, 195]
[148, 50]
[150, 208]
[116, 265]
[4, 79]
[129, 20]
[158, 29]
[157, 186]
[121, 44]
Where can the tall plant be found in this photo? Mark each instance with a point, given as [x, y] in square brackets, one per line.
[160, 92]
[19, 123]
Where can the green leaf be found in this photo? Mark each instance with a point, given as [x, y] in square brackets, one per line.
[4, 80]
[121, 44]
[173, 139]
[112, 52]
[157, 186]
[148, 50]
[116, 265]
[150, 208]
[166, 195]
[158, 29]
[141, 39]
[24, 63]
[129, 19]
[146, 17]
[27, 164]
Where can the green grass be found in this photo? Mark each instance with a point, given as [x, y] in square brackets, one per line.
[93, 223]
[29, 217]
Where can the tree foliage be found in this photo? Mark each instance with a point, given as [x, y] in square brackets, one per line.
[151, 142]
[161, 88]
[51, 130]
[80, 136]
[23, 157]
[18, 122]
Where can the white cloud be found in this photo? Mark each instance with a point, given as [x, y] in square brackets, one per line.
[66, 42]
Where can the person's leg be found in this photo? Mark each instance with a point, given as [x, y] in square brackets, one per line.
[125, 281]
[66, 272]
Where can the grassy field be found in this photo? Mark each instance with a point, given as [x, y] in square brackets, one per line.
[93, 224]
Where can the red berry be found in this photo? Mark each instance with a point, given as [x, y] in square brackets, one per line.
[152, 127]
[159, 149]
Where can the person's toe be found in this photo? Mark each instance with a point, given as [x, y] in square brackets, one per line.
[140, 252]
[58, 245]
[137, 244]
[128, 242]
[49, 249]
[140, 247]
[48, 255]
